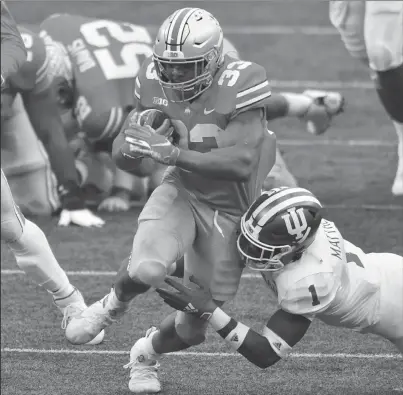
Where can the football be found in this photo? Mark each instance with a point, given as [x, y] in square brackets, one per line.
[154, 118]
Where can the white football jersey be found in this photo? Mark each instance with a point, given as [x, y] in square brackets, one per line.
[333, 280]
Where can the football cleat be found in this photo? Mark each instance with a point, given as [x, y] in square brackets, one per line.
[143, 368]
[325, 105]
[71, 307]
[87, 325]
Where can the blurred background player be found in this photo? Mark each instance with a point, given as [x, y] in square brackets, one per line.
[98, 61]
[311, 271]
[372, 32]
[29, 112]
[27, 242]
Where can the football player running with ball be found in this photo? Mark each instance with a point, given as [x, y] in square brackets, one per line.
[222, 154]
[312, 272]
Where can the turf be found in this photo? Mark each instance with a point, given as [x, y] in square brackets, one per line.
[347, 178]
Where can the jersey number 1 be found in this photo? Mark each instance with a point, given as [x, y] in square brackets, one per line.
[312, 290]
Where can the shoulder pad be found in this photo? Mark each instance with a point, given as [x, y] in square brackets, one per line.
[242, 86]
[307, 286]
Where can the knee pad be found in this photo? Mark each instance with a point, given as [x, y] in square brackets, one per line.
[192, 330]
[152, 273]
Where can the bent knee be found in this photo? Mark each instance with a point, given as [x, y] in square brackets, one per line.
[150, 272]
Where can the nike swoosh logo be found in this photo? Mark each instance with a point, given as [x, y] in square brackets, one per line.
[207, 112]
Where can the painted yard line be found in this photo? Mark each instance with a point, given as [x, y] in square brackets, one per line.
[197, 354]
[337, 143]
[273, 30]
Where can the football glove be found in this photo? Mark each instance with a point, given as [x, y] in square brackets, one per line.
[145, 141]
[197, 301]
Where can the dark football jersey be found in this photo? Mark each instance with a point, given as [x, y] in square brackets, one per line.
[238, 86]
[13, 54]
[106, 57]
[33, 76]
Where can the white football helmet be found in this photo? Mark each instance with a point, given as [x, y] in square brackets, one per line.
[281, 222]
[188, 51]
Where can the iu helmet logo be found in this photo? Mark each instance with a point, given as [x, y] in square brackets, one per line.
[296, 224]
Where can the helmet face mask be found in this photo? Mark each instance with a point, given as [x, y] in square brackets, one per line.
[259, 256]
[187, 60]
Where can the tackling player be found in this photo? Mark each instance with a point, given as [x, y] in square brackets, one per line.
[25, 239]
[372, 32]
[222, 154]
[311, 271]
[98, 61]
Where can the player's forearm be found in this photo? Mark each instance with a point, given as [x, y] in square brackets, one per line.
[277, 107]
[49, 130]
[13, 52]
[253, 346]
[230, 164]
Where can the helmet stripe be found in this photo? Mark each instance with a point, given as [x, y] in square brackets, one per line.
[169, 38]
[278, 195]
[183, 24]
[174, 29]
[299, 200]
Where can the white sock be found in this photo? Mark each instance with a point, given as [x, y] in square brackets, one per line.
[149, 348]
[114, 303]
[298, 103]
[35, 257]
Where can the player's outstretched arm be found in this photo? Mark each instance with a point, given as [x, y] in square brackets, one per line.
[236, 160]
[13, 52]
[44, 116]
[281, 333]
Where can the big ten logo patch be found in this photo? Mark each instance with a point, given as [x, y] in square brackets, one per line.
[159, 101]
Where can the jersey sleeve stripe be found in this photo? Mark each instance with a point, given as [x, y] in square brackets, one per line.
[253, 100]
[114, 122]
[253, 89]
[137, 86]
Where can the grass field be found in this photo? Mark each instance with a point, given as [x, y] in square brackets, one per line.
[351, 169]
